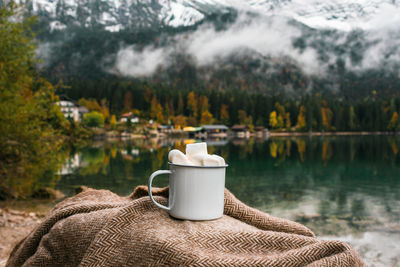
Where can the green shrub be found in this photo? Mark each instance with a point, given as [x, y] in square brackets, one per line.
[93, 119]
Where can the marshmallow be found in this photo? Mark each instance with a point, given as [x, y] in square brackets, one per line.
[196, 154]
[210, 160]
[177, 157]
[221, 161]
[197, 159]
[197, 148]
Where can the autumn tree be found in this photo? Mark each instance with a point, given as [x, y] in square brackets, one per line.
[90, 104]
[206, 117]
[281, 115]
[326, 114]
[273, 122]
[31, 124]
[156, 110]
[192, 104]
[104, 109]
[179, 121]
[113, 122]
[301, 119]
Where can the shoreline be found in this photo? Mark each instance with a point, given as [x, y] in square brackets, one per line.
[362, 133]
[230, 135]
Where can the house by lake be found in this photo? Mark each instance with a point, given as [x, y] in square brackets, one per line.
[129, 117]
[71, 110]
[240, 131]
[217, 130]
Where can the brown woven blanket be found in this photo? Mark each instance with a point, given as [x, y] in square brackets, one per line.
[99, 228]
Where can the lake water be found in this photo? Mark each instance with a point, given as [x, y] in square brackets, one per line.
[345, 188]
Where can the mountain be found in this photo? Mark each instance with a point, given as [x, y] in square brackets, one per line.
[122, 14]
[285, 46]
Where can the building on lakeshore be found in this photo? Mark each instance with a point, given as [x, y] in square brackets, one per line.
[192, 131]
[217, 130]
[261, 132]
[167, 129]
[129, 117]
[240, 131]
[71, 110]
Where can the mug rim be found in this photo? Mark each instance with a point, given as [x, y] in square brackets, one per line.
[195, 166]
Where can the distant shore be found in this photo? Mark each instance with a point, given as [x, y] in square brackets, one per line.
[181, 134]
[362, 133]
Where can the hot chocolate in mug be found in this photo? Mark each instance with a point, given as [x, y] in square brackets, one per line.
[195, 192]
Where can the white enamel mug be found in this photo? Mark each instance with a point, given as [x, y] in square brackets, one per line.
[195, 192]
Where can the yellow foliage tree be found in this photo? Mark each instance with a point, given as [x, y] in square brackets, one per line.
[206, 117]
[90, 104]
[326, 116]
[273, 122]
[156, 110]
[301, 119]
[180, 121]
[104, 109]
[113, 122]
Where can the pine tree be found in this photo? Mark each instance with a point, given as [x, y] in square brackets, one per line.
[224, 114]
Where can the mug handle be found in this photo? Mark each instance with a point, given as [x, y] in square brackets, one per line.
[152, 176]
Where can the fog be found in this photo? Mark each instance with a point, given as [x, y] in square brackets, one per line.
[270, 36]
[264, 36]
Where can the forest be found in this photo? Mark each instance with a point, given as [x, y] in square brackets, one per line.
[181, 107]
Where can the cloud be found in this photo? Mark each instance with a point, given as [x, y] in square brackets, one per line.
[270, 36]
[266, 36]
[130, 61]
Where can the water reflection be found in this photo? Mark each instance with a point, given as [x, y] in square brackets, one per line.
[341, 187]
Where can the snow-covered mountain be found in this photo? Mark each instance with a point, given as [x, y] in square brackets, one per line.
[119, 14]
[291, 44]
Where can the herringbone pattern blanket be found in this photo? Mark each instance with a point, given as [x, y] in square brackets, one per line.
[99, 228]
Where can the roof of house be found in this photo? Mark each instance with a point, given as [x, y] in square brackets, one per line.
[214, 127]
[239, 128]
[129, 114]
[65, 103]
[259, 128]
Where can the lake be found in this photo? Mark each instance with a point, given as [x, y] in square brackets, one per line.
[345, 188]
